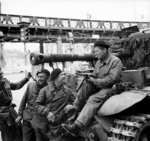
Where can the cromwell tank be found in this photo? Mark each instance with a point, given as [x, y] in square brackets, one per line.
[124, 116]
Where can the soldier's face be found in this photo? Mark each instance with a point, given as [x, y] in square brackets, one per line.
[42, 78]
[99, 52]
[61, 78]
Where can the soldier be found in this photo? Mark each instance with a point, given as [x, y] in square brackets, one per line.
[26, 105]
[92, 93]
[51, 103]
[7, 113]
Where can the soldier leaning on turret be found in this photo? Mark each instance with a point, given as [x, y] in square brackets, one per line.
[26, 106]
[7, 112]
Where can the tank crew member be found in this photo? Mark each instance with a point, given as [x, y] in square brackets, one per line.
[90, 96]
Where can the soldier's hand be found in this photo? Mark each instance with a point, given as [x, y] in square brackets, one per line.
[18, 120]
[70, 108]
[90, 79]
[50, 117]
[29, 75]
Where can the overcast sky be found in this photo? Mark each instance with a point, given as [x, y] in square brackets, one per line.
[125, 10]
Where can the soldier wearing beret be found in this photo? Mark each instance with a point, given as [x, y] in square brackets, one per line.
[26, 106]
[52, 101]
[92, 93]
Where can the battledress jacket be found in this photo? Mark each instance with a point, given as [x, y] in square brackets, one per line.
[108, 71]
[6, 98]
[50, 98]
[30, 95]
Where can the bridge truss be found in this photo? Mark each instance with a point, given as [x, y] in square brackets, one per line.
[47, 29]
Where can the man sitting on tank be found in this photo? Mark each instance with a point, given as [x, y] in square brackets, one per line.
[91, 95]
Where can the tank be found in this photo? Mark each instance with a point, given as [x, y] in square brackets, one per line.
[124, 116]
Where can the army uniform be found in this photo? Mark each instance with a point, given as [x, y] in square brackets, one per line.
[26, 109]
[50, 99]
[7, 112]
[108, 73]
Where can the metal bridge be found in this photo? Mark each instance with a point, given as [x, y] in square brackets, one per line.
[48, 29]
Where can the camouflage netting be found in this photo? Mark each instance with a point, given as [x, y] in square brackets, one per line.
[134, 51]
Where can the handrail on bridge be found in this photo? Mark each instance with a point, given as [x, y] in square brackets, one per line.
[70, 23]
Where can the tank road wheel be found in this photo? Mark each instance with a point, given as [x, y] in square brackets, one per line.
[144, 134]
[96, 133]
[131, 128]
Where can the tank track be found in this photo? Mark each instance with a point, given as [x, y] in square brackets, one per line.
[131, 128]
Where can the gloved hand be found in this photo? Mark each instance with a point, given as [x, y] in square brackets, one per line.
[18, 120]
[50, 117]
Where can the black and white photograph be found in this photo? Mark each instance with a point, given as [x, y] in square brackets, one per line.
[74, 70]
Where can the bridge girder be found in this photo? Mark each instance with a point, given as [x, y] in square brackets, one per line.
[46, 29]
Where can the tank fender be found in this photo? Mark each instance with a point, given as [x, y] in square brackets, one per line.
[118, 103]
[105, 121]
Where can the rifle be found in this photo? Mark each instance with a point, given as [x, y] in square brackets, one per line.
[85, 76]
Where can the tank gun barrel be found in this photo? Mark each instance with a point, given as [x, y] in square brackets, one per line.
[38, 58]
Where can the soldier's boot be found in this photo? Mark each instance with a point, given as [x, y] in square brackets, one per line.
[72, 129]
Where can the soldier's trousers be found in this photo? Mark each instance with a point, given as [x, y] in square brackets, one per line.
[89, 100]
[28, 131]
[41, 135]
[8, 132]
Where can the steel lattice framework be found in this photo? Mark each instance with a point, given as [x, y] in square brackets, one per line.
[47, 29]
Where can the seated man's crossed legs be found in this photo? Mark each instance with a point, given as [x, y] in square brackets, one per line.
[88, 101]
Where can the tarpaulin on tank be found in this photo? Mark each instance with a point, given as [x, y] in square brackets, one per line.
[118, 103]
[134, 51]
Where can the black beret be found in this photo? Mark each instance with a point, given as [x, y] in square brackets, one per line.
[102, 43]
[43, 71]
[55, 73]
